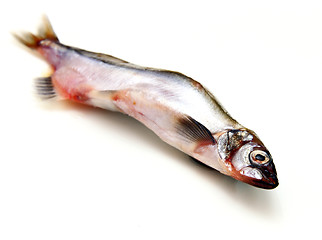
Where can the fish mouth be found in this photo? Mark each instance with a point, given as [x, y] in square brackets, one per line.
[270, 182]
[267, 176]
[261, 178]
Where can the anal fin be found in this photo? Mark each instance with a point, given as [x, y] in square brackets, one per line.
[45, 88]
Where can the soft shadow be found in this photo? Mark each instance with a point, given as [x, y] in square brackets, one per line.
[257, 200]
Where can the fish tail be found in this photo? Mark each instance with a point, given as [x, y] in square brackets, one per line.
[43, 85]
[45, 32]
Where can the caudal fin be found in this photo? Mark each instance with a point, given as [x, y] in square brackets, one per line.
[45, 31]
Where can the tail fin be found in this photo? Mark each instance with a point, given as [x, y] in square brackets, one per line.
[44, 32]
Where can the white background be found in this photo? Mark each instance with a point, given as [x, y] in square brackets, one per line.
[73, 172]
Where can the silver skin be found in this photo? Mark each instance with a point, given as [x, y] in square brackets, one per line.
[177, 108]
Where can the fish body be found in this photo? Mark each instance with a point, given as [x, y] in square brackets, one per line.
[177, 108]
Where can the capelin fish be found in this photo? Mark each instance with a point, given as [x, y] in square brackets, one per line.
[177, 108]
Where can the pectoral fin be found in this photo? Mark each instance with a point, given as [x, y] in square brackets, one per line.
[193, 131]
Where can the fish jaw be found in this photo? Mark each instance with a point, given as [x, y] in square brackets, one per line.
[257, 177]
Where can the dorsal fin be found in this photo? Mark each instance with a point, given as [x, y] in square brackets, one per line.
[193, 131]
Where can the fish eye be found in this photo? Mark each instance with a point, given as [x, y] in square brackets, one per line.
[259, 157]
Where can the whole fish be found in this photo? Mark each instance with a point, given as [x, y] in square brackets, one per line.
[177, 108]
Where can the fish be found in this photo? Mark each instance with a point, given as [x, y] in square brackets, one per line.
[177, 108]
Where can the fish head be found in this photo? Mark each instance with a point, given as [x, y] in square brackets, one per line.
[247, 159]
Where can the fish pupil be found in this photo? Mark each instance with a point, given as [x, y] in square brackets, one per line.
[260, 157]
